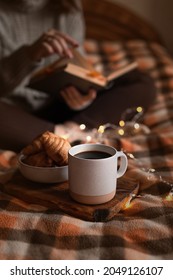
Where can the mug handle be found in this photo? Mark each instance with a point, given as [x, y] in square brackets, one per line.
[123, 164]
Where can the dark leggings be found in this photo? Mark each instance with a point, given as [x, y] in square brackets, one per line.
[18, 128]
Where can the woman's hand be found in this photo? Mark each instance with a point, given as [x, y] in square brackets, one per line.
[50, 43]
[77, 101]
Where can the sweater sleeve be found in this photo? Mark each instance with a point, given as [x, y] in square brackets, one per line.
[15, 72]
[14, 69]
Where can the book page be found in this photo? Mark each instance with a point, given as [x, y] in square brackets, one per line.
[119, 72]
[62, 62]
[86, 74]
[81, 61]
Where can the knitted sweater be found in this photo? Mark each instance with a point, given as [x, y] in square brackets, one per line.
[19, 28]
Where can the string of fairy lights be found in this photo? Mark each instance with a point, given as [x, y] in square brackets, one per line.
[127, 127]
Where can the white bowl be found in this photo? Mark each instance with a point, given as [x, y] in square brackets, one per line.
[43, 174]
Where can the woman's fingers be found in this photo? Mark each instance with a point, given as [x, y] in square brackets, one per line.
[61, 43]
[52, 42]
[66, 37]
[77, 101]
[69, 95]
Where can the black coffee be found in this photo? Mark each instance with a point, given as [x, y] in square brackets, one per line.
[93, 155]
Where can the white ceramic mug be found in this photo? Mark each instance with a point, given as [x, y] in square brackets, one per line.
[93, 172]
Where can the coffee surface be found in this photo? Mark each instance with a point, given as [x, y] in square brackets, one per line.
[93, 155]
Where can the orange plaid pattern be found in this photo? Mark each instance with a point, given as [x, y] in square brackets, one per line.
[143, 230]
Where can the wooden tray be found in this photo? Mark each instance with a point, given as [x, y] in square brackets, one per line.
[56, 198]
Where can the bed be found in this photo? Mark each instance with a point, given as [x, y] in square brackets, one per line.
[31, 224]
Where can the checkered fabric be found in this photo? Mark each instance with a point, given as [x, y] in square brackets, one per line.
[143, 229]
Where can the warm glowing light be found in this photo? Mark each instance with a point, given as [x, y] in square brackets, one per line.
[82, 126]
[127, 205]
[101, 129]
[88, 138]
[151, 170]
[121, 132]
[169, 197]
[139, 109]
[131, 156]
[136, 126]
[65, 136]
[121, 123]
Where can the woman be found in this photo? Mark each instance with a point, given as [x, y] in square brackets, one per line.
[34, 33]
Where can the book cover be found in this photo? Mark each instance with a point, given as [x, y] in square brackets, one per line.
[77, 72]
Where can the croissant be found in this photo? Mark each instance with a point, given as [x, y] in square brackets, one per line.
[56, 147]
[33, 148]
[40, 160]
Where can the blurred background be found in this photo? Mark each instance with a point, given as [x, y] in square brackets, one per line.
[158, 12]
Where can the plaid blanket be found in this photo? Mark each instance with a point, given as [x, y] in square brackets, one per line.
[142, 229]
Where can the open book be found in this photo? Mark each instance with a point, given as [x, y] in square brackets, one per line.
[78, 72]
